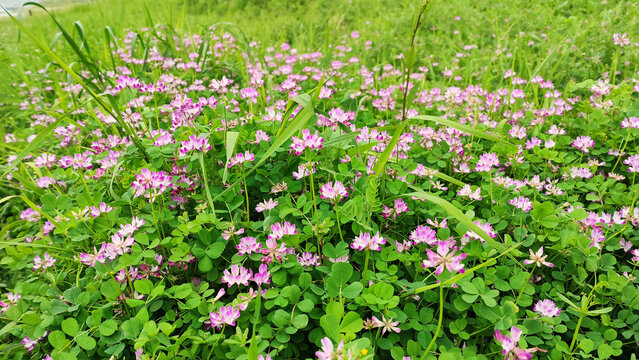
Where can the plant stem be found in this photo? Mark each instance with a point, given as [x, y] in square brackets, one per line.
[319, 243]
[368, 254]
[339, 226]
[521, 292]
[439, 322]
[248, 221]
[206, 186]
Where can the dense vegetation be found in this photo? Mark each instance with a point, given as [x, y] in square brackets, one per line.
[333, 180]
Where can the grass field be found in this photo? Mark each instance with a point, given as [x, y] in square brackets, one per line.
[360, 179]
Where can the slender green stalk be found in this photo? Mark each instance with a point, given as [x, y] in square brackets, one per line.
[339, 226]
[439, 322]
[368, 254]
[248, 209]
[206, 185]
[521, 292]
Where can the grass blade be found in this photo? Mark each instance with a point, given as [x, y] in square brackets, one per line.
[461, 127]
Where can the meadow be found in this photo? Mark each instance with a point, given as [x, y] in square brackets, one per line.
[363, 179]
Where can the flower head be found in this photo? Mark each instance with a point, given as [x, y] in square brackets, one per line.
[538, 258]
[445, 258]
[546, 308]
[334, 191]
[366, 241]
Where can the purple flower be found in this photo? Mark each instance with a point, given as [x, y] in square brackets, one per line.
[237, 275]
[279, 230]
[424, 234]
[445, 257]
[328, 351]
[486, 162]
[308, 259]
[522, 203]
[583, 143]
[151, 184]
[633, 163]
[509, 346]
[225, 316]
[240, 158]
[43, 263]
[635, 254]
[263, 276]
[398, 208]
[333, 191]
[621, 39]
[467, 191]
[97, 256]
[248, 245]
[308, 140]
[546, 308]
[365, 241]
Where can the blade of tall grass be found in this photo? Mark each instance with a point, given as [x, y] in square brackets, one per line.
[461, 127]
[80, 81]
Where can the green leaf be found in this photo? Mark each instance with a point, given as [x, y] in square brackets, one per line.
[351, 291]
[182, 291]
[605, 351]
[215, 250]
[70, 326]
[351, 323]
[57, 339]
[110, 289]
[108, 327]
[229, 143]
[304, 280]
[86, 342]
[143, 286]
[300, 321]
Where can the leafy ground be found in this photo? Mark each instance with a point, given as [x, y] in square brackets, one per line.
[320, 179]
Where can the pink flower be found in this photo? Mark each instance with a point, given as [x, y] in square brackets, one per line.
[522, 203]
[467, 191]
[263, 276]
[621, 39]
[308, 140]
[386, 325]
[445, 257]
[225, 316]
[266, 205]
[151, 184]
[424, 234]
[333, 191]
[328, 351]
[29, 344]
[237, 275]
[273, 251]
[194, 144]
[398, 208]
[260, 136]
[538, 258]
[486, 162]
[240, 158]
[635, 254]
[279, 230]
[97, 256]
[583, 143]
[633, 163]
[510, 350]
[365, 241]
[248, 245]
[546, 308]
[308, 259]
[43, 263]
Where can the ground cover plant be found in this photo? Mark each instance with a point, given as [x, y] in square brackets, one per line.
[383, 180]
